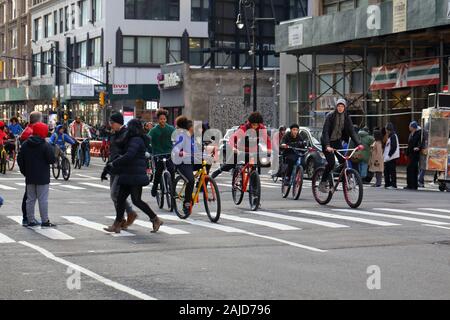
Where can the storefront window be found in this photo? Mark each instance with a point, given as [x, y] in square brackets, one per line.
[152, 9]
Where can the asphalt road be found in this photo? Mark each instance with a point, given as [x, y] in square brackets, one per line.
[376, 252]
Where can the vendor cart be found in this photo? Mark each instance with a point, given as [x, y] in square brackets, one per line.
[436, 122]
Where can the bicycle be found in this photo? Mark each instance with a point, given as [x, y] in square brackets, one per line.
[11, 156]
[211, 195]
[105, 149]
[150, 167]
[164, 190]
[351, 180]
[3, 159]
[246, 178]
[82, 158]
[62, 165]
[296, 178]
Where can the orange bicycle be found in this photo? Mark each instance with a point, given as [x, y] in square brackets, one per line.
[246, 179]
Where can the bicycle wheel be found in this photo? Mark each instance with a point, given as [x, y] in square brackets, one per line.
[104, 155]
[353, 188]
[298, 183]
[56, 169]
[211, 199]
[78, 159]
[160, 194]
[11, 161]
[285, 188]
[65, 168]
[237, 186]
[178, 192]
[254, 191]
[3, 162]
[322, 198]
[168, 190]
[275, 178]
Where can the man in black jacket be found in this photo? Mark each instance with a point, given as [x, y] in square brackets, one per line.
[291, 140]
[413, 153]
[117, 149]
[338, 125]
[35, 158]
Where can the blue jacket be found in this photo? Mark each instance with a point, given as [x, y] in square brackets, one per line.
[61, 139]
[16, 129]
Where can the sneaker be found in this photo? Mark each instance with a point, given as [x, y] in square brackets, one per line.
[48, 224]
[33, 224]
[323, 187]
[376, 185]
[187, 209]
[421, 185]
[24, 222]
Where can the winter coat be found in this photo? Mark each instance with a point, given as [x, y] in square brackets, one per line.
[414, 141]
[117, 143]
[132, 165]
[61, 139]
[237, 139]
[28, 132]
[85, 131]
[392, 148]
[296, 142]
[376, 161]
[34, 159]
[185, 150]
[330, 123]
[366, 140]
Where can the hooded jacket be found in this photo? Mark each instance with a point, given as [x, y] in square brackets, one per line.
[61, 139]
[34, 159]
[330, 123]
[237, 139]
[117, 143]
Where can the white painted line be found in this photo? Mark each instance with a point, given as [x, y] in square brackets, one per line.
[72, 187]
[3, 187]
[335, 216]
[224, 185]
[5, 239]
[304, 220]
[55, 183]
[163, 228]
[21, 184]
[85, 176]
[236, 230]
[50, 233]
[95, 185]
[274, 225]
[95, 226]
[89, 273]
[414, 213]
[440, 227]
[390, 216]
[436, 210]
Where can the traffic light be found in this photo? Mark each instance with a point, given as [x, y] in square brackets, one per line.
[2, 63]
[101, 98]
[247, 95]
[55, 103]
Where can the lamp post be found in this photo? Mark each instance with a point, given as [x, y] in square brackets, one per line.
[240, 24]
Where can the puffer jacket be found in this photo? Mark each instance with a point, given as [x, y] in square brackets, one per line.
[34, 160]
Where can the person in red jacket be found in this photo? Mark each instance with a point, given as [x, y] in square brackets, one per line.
[237, 142]
[3, 135]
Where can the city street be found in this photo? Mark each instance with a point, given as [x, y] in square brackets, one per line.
[396, 246]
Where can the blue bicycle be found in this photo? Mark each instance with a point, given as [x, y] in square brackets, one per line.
[296, 179]
[83, 156]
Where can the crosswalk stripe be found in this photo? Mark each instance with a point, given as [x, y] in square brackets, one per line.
[274, 225]
[95, 226]
[72, 187]
[49, 233]
[436, 210]
[85, 176]
[334, 216]
[390, 216]
[21, 184]
[414, 213]
[440, 227]
[304, 220]
[149, 225]
[236, 230]
[95, 185]
[3, 187]
[5, 239]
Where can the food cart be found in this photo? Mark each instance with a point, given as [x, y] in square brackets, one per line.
[436, 122]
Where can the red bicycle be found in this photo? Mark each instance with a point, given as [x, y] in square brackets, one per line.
[246, 178]
[105, 149]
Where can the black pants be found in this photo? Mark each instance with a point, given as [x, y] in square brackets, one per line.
[136, 197]
[291, 161]
[331, 162]
[187, 172]
[412, 173]
[390, 174]
[24, 205]
[159, 170]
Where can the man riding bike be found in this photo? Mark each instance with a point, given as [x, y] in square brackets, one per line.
[79, 131]
[59, 138]
[338, 125]
[255, 122]
[293, 140]
[15, 127]
[161, 140]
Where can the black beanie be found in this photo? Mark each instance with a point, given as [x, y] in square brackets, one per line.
[117, 118]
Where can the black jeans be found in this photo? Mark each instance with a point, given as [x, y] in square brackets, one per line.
[412, 174]
[159, 170]
[390, 174]
[136, 197]
[24, 205]
[331, 162]
[187, 172]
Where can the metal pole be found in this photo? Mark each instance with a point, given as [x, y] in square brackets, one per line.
[254, 61]
[298, 91]
[411, 55]
[364, 72]
[107, 93]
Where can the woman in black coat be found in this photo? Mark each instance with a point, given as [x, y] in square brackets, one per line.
[131, 167]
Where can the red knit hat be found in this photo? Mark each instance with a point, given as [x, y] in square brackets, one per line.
[40, 129]
[2, 124]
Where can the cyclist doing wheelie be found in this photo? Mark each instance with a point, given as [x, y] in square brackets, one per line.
[289, 141]
[59, 139]
[338, 125]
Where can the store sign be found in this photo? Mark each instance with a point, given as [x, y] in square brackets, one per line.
[152, 105]
[399, 15]
[414, 74]
[81, 90]
[296, 35]
[120, 89]
[169, 80]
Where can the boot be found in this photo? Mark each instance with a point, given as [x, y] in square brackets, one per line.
[124, 225]
[157, 222]
[130, 218]
[114, 228]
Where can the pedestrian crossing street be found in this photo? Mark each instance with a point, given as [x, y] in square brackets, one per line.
[253, 224]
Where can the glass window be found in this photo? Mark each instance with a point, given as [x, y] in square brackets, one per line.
[144, 50]
[174, 50]
[128, 50]
[47, 31]
[96, 10]
[61, 20]
[82, 54]
[357, 82]
[325, 81]
[199, 10]
[98, 51]
[36, 65]
[66, 18]
[339, 88]
[195, 55]
[159, 50]
[152, 9]
[83, 12]
[55, 22]
[37, 28]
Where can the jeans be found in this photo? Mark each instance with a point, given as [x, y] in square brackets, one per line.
[115, 193]
[39, 193]
[421, 178]
[136, 197]
[291, 160]
[363, 167]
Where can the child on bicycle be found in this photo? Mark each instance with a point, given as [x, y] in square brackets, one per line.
[291, 140]
[59, 139]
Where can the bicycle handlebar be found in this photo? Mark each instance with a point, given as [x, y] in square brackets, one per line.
[348, 157]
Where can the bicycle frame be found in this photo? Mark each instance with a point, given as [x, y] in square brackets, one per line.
[200, 176]
[343, 173]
